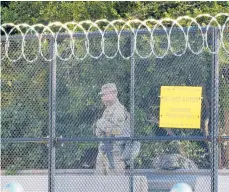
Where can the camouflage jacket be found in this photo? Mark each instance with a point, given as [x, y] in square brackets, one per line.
[115, 119]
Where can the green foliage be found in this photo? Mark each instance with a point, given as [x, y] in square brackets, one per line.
[45, 12]
[78, 104]
[24, 110]
[25, 86]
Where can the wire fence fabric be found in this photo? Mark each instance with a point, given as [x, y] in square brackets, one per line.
[71, 62]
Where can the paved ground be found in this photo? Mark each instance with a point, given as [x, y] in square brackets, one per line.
[75, 181]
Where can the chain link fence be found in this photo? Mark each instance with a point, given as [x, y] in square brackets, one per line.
[50, 105]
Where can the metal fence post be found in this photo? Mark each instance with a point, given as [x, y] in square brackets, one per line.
[132, 86]
[215, 113]
[52, 116]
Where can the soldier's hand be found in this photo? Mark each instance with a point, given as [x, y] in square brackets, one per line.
[115, 132]
[108, 132]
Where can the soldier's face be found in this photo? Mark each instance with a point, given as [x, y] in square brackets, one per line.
[109, 98]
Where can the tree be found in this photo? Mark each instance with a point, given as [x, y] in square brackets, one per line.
[45, 12]
[25, 85]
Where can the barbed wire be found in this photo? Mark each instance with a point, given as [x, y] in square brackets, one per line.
[119, 28]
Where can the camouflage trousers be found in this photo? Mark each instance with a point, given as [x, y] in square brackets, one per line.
[102, 164]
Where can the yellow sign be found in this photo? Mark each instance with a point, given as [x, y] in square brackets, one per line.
[180, 107]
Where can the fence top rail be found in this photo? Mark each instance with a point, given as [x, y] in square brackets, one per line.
[107, 33]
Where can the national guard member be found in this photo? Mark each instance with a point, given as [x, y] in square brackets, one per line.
[113, 123]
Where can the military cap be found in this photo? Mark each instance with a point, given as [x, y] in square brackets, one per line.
[107, 88]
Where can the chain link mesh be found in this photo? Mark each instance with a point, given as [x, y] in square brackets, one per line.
[139, 57]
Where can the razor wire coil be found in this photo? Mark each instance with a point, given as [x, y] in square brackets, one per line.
[150, 26]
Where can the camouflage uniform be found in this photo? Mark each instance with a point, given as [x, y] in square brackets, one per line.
[115, 119]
